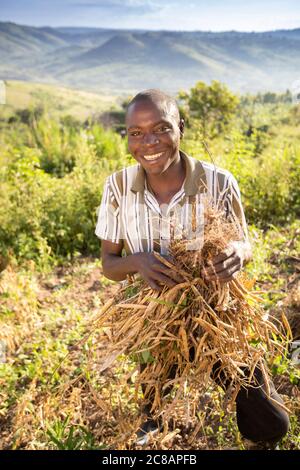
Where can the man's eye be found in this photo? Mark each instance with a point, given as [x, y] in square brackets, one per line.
[135, 134]
[163, 129]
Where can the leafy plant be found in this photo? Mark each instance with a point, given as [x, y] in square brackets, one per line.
[66, 437]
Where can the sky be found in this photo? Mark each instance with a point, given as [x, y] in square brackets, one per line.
[204, 15]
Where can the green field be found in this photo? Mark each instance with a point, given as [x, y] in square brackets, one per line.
[52, 170]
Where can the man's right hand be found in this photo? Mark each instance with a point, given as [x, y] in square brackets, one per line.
[151, 269]
[154, 272]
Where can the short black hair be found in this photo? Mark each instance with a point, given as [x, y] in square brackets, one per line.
[157, 97]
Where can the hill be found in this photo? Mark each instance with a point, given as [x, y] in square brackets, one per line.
[124, 61]
[57, 100]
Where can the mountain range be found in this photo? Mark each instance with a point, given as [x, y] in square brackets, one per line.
[125, 61]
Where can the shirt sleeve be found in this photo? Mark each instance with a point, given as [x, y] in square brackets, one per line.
[234, 208]
[108, 224]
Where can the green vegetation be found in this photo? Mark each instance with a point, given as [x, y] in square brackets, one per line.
[210, 106]
[52, 170]
[59, 101]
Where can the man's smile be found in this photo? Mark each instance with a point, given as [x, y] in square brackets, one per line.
[153, 157]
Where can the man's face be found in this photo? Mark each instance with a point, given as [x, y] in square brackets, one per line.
[153, 135]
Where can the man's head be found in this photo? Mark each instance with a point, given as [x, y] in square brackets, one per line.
[154, 130]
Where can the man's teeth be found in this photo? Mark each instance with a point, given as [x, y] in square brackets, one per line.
[153, 157]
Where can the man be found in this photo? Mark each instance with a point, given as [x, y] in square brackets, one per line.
[145, 205]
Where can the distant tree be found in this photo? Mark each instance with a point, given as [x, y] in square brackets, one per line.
[27, 115]
[126, 102]
[269, 97]
[213, 106]
[114, 118]
[295, 115]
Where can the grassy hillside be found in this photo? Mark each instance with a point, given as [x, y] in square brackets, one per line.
[18, 39]
[57, 100]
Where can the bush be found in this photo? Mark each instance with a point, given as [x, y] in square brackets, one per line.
[269, 180]
[48, 209]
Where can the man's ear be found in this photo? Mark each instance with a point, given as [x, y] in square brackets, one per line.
[181, 127]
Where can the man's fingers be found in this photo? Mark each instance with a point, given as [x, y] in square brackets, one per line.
[227, 253]
[225, 266]
[158, 276]
[225, 275]
[169, 273]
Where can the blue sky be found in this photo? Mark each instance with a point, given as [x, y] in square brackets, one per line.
[213, 15]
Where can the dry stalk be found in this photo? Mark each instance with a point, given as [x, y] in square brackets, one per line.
[186, 332]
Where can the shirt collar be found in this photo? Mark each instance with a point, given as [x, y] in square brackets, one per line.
[195, 180]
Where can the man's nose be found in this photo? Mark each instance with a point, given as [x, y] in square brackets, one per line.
[150, 139]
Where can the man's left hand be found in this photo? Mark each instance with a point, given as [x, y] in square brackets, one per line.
[226, 265]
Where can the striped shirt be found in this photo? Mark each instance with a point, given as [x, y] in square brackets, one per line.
[130, 213]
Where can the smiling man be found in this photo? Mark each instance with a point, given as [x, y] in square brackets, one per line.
[144, 206]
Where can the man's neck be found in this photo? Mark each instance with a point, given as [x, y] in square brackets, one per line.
[165, 185]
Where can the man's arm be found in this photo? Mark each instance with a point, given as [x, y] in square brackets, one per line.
[116, 267]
